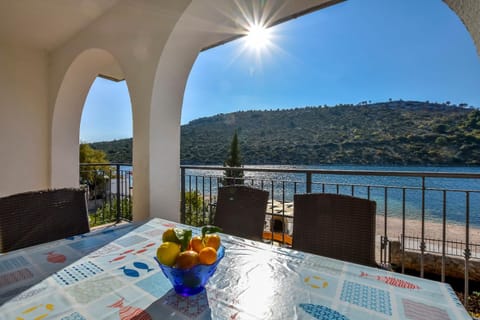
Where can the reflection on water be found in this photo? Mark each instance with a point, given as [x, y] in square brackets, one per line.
[282, 187]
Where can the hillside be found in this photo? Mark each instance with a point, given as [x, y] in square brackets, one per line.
[398, 132]
[119, 151]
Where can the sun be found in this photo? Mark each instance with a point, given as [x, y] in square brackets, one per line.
[258, 37]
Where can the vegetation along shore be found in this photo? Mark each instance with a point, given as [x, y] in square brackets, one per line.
[389, 133]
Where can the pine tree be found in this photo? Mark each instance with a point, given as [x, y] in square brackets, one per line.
[232, 177]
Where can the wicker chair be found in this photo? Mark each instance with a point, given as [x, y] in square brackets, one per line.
[241, 211]
[32, 218]
[336, 226]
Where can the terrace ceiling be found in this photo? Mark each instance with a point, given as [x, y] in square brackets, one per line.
[49, 24]
[46, 24]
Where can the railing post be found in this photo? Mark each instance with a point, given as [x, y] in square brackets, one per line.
[210, 197]
[309, 182]
[385, 207]
[422, 241]
[203, 202]
[444, 233]
[403, 230]
[467, 253]
[129, 197]
[118, 192]
[182, 188]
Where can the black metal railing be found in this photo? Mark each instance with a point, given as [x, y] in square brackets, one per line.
[109, 190]
[454, 248]
[427, 200]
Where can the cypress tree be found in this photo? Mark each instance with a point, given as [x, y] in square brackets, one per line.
[232, 177]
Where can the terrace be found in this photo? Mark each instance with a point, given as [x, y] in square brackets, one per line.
[429, 218]
[52, 52]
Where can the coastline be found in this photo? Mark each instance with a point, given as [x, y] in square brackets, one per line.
[433, 229]
[413, 227]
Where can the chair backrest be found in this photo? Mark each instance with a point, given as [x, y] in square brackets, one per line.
[336, 226]
[32, 218]
[241, 211]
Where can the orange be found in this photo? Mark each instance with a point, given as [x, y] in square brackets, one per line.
[187, 259]
[212, 240]
[196, 244]
[207, 255]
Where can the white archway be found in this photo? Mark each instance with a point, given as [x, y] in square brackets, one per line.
[157, 108]
[202, 25]
[468, 11]
[67, 112]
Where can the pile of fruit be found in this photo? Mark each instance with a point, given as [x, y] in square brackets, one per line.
[180, 250]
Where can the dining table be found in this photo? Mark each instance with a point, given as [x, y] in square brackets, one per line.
[111, 273]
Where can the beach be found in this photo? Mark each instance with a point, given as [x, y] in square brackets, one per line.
[413, 228]
[433, 230]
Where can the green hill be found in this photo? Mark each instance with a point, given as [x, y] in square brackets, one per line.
[119, 151]
[397, 132]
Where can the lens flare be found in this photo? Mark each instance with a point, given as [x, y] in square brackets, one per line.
[258, 37]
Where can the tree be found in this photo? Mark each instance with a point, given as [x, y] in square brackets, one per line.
[93, 175]
[233, 161]
[194, 209]
[90, 155]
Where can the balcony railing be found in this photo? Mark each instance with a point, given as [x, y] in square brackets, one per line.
[427, 213]
[109, 192]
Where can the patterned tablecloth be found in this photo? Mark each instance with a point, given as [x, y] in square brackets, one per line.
[111, 274]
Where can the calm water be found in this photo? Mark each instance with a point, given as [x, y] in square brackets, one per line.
[391, 201]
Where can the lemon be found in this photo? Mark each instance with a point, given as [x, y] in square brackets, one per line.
[167, 253]
[170, 236]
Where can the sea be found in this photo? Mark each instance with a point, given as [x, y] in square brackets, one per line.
[462, 196]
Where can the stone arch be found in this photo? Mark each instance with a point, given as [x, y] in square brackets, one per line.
[468, 12]
[67, 112]
[201, 27]
[165, 114]
[203, 24]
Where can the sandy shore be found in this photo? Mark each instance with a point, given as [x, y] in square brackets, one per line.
[433, 230]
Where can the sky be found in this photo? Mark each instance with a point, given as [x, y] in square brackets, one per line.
[107, 113]
[358, 50]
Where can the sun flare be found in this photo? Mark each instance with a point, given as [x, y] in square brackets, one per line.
[258, 37]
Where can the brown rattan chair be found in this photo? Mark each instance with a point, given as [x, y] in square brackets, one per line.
[32, 218]
[241, 211]
[336, 226]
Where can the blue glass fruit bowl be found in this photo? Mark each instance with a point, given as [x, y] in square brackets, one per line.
[188, 282]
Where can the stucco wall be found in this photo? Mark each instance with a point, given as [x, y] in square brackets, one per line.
[469, 12]
[203, 24]
[155, 44]
[134, 33]
[24, 151]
